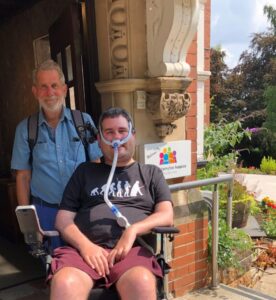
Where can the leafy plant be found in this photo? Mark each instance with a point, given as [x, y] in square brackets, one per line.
[250, 170]
[217, 165]
[220, 139]
[268, 165]
[269, 226]
[268, 207]
[260, 145]
[240, 195]
[219, 147]
[231, 244]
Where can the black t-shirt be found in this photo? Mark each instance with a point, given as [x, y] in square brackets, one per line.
[134, 190]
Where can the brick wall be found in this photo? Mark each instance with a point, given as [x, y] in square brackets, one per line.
[189, 265]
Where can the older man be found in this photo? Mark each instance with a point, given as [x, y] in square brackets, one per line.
[43, 172]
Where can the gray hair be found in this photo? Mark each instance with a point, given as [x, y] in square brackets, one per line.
[48, 65]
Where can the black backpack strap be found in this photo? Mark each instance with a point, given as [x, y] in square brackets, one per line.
[32, 133]
[78, 120]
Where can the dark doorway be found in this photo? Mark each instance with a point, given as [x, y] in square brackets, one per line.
[73, 45]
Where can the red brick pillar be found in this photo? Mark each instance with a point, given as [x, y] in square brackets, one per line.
[190, 250]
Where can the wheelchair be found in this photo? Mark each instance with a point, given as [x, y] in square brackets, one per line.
[39, 241]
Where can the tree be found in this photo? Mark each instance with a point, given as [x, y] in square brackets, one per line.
[270, 12]
[270, 96]
[248, 92]
[240, 94]
[218, 92]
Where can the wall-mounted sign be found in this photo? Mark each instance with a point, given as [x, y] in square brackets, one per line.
[173, 158]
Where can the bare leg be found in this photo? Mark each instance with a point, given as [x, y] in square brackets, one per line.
[138, 283]
[70, 283]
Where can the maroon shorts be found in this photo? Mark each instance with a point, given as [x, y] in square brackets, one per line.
[137, 256]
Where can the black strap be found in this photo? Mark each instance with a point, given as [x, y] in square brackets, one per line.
[78, 120]
[32, 133]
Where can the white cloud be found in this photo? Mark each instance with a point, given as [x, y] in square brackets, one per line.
[233, 23]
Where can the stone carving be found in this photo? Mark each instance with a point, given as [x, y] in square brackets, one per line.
[171, 26]
[163, 130]
[118, 38]
[167, 109]
[174, 105]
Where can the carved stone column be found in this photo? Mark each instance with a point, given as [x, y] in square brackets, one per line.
[118, 38]
[146, 40]
[171, 26]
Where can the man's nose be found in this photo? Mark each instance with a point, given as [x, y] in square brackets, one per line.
[117, 135]
[49, 91]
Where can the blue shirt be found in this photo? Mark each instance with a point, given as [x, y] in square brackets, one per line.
[56, 155]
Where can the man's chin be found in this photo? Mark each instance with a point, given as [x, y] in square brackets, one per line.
[52, 108]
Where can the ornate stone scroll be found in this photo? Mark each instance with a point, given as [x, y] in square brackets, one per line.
[118, 38]
[171, 26]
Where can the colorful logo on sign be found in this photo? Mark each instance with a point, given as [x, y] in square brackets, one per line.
[167, 156]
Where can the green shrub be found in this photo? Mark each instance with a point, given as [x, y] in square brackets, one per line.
[259, 146]
[268, 165]
[269, 226]
[240, 195]
[231, 244]
[251, 170]
[219, 147]
[220, 139]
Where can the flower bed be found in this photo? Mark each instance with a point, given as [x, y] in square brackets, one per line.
[268, 222]
[269, 205]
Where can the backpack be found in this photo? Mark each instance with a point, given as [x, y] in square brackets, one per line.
[80, 126]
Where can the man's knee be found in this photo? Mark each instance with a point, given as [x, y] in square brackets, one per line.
[139, 278]
[69, 280]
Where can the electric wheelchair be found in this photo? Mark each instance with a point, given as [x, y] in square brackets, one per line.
[39, 242]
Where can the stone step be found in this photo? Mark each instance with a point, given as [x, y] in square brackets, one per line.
[247, 293]
[258, 293]
[226, 293]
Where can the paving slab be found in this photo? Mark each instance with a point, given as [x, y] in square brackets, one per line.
[260, 185]
[208, 294]
[267, 284]
[253, 228]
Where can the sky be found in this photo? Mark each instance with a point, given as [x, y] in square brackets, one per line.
[233, 22]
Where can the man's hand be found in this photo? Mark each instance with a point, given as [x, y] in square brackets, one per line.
[123, 246]
[96, 257]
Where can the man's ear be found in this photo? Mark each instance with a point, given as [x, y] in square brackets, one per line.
[65, 89]
[34, 91]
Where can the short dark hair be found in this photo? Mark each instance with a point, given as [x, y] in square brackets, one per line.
[114, 112]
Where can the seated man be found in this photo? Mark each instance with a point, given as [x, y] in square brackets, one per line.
[102, 252]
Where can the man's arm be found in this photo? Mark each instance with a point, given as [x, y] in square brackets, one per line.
[23, 181]
[162, 216]
[94, 255]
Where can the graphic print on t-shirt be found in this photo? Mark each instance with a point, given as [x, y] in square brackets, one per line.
[121, 189]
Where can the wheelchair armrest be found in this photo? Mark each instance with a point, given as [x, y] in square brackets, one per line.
[29, 225]
[165, 230]
[170, 231]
